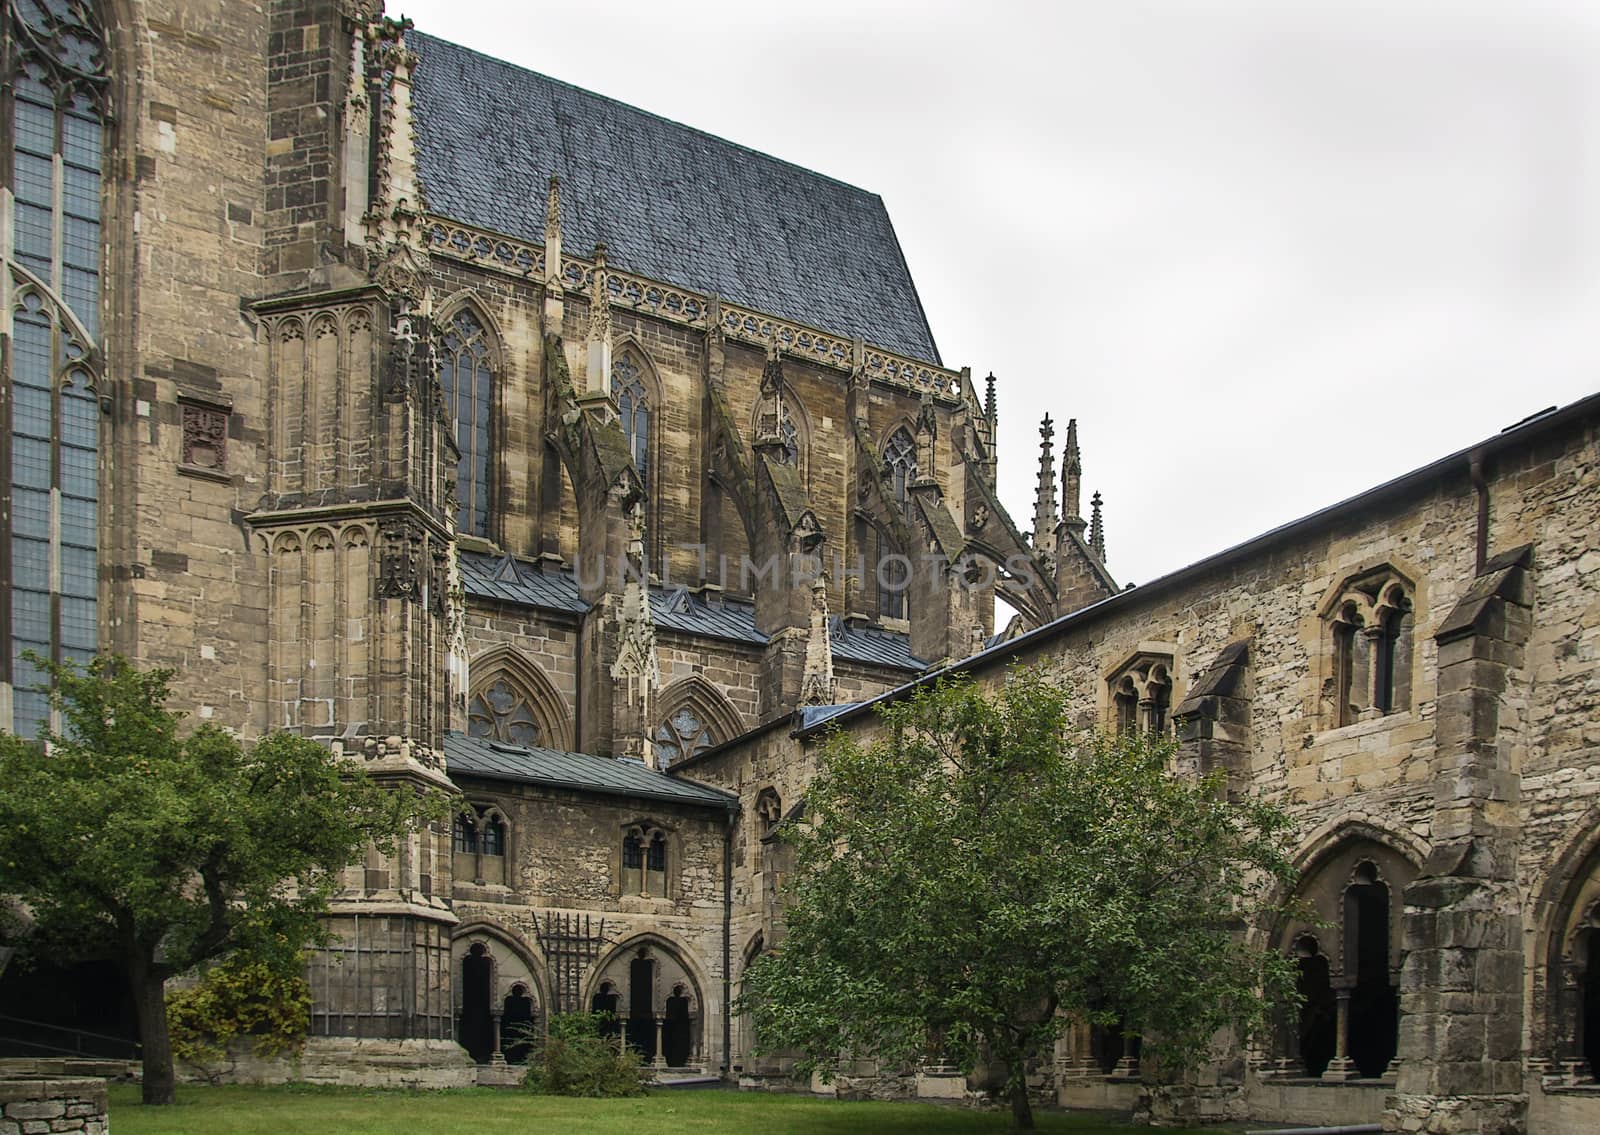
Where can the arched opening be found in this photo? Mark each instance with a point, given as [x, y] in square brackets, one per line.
[1589, 1023]
[476, 1028]
[641, 1005]
[607, 1006]
[658, 1002]
[517, 1024]
[1375, 997]
[1348, 1027]
[466, 382]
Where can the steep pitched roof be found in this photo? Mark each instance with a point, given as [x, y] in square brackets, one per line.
[671, 202]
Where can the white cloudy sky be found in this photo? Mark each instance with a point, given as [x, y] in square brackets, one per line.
[1269, 254]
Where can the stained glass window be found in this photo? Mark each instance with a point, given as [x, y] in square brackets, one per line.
[501, 712]
[682, 735]
[467, 383]
[53, 112]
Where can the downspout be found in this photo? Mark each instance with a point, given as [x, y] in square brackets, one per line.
[727, 940]
[1481, 486]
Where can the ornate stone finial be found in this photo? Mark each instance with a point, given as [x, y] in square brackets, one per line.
[1097, 529]
[1044, 500]
[769, 406]
[817, 683]
[1072, 481]
[990, 403]
[927, 434]
[552, 234]
[637, 669]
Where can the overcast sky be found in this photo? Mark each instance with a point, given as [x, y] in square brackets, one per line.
[1268, 255]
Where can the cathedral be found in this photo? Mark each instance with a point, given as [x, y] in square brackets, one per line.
[526, 447]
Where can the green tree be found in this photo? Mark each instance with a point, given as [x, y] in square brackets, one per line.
[978, 870]
[125, 839]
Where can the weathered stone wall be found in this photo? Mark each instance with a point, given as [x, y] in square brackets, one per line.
[38, 1107]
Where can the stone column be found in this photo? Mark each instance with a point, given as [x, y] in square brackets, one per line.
[1341, 1067]
[661, 1056]
[1461, 977]
[498, 1056]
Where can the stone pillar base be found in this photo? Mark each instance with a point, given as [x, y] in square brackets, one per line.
[1340, 1070]
[1456, 1115]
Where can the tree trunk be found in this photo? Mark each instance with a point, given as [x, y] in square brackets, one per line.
[1021, 1109]
[150, 1001]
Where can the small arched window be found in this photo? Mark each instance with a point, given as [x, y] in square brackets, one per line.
[478, 840]
[1370, 627]
[633, 406]
[467, 383]
[1141, 694]
[644, 862]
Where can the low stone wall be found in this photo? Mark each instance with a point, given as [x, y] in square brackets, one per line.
[1313, 1103]
[1563, 1111]
[427, 1064]
[42, 1107]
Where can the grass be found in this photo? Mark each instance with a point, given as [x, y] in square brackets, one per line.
[289, 1110]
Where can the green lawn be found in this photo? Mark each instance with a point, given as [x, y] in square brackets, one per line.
[482, 1111]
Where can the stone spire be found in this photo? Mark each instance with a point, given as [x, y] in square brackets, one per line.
[598, 382]
[1044, 503]
[769, 405]
[990, 405]
[817, 685]
[1097, 529]
[1072, 482]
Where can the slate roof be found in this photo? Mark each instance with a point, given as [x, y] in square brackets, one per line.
[672, 203]
[609, 776]
[506, 579]
[874, 646]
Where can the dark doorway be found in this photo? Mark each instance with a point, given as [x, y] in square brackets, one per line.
[605, 1005]
[641, 1006]
[477, 1026]
[1318, 1012]
[675, 1040]
[1374, 1002]
[516, 1025]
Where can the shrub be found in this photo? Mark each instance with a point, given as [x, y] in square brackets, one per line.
[241, 996]
[576, 1060]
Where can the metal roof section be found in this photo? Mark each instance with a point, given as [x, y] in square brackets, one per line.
[506, 579]
[873, 645]
[670, 202]
[582, 772]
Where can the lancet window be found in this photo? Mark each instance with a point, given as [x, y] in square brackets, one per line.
[53, 105]
[633, 405]
[466, 379]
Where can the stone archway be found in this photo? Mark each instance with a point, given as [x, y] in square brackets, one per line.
[658, 1002]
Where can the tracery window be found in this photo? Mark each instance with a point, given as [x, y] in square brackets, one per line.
[644, 862]
[683, 735]
[900, 460]
[467, 382]
[1370, 625]
[502, 712]
[53, 109]
[633, 405]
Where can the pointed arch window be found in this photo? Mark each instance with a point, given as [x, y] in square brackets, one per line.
[900, 461]
[683, 735]
[502, 712]
[633, 405]
[644, 861]
[52, 105]
[466, 380]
